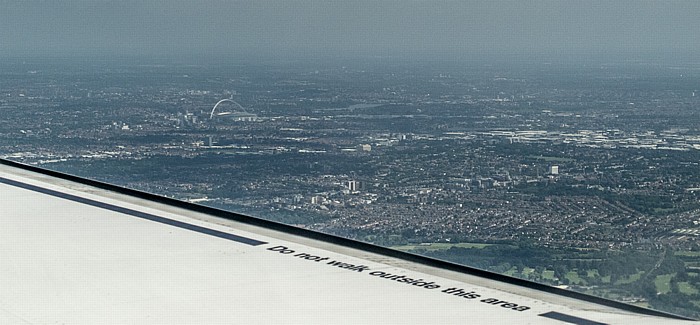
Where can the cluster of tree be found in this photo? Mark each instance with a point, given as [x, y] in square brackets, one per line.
[618, 268]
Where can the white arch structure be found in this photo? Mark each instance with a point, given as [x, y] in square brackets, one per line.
[211, 115]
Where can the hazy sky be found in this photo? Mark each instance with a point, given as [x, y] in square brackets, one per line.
[346, 28]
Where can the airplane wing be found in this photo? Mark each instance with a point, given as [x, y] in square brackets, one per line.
[77, 251]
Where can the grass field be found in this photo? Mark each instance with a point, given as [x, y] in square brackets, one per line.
[574, 278]
[548, 275]
[629, 279]
[687, 288]
[663, 283]
[686, 253]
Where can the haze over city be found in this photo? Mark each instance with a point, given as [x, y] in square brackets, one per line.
[434, 30]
